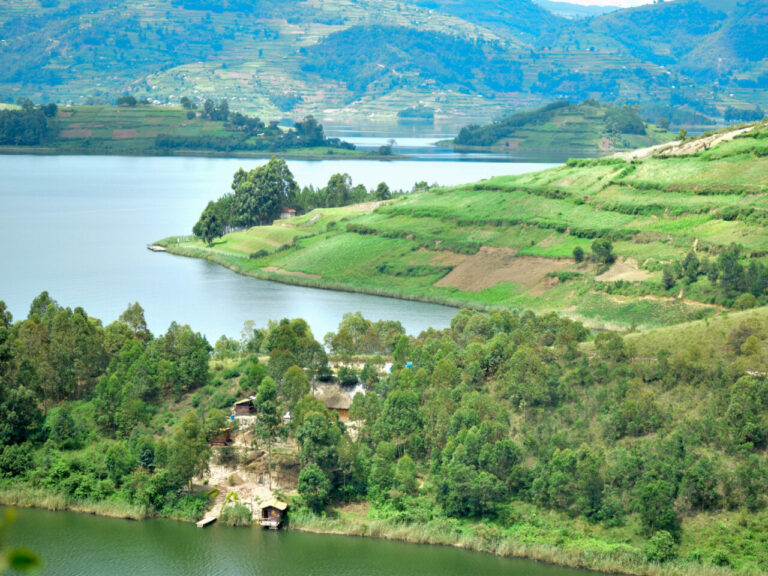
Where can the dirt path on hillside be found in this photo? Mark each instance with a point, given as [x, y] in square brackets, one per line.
[683, 147]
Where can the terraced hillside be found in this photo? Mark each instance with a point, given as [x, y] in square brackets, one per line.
[704, 55]
[675, 236]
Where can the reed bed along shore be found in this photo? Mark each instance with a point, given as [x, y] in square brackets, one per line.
[610, 558]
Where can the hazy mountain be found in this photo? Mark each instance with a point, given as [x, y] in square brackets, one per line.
[568, 10]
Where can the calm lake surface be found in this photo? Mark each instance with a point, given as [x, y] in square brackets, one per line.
[78, 226]
[78, 545]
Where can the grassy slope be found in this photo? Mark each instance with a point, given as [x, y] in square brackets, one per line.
[656, 210]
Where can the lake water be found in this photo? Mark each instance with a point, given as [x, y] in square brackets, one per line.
[78, 226]
[79, 545]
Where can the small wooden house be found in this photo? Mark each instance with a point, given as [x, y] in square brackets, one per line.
[271, 515]
[222, 438]
[287, 213]
[340, 403]
[245, 407]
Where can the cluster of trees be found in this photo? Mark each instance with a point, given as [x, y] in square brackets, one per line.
[128, 101]
[248, 132]
[602, 252]
[624, 120]
[746, 286]
[30, 126]
[476, 135]
[259, 196]
[744, 115]
[79, 399]
[437, 438]
[419, 112]
[445, 424]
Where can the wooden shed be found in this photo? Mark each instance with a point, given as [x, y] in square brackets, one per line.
[272, 512]
[245, 407]
[340, 403]
[222, 437]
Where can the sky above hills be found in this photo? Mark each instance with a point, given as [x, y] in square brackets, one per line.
[622, 3]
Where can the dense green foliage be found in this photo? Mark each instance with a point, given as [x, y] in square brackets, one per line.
[496, 416]
[504, 410]
[30, 126]
[83, 402]
[261, 195]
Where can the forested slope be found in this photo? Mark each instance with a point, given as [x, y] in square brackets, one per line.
[508, 433]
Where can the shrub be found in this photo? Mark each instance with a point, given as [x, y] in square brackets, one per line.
[314, 487]
[745, 302]
[236, 514]
[347, 376]
[660, 548]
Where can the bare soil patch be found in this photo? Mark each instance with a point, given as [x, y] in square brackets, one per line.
[367, 206]
[492, 266]
[276, 270]
[625, 269]
[73, 133]
[446, 258]
[606, 143]
[124, 134]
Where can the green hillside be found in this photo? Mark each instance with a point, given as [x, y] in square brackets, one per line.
[588, 127]
[470, 62]
[665, 238]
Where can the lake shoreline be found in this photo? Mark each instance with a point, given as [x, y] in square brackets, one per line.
[317, 283]
[480, 538]
[344, 155]
[484, 541]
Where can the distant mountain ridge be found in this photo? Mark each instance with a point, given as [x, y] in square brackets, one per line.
[568, 10]
[469, 60]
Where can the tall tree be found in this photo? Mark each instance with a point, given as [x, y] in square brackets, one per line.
[268, 418]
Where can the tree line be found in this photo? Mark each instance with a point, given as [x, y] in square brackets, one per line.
[248, 132]
[260, 195]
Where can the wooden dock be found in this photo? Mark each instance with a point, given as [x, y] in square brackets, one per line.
[206, 522]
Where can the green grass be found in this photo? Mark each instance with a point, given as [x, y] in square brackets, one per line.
[404, 247]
